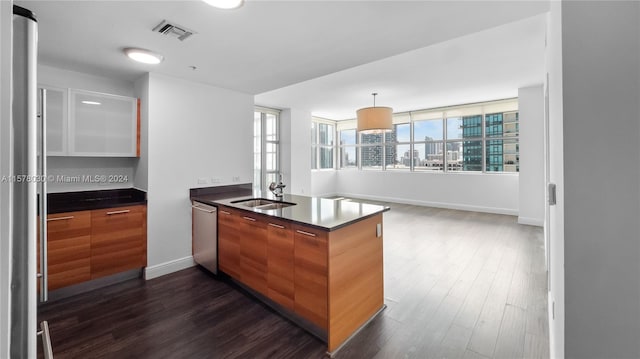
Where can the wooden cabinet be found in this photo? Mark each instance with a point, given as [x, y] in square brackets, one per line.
[310, 274]
[286, 263]
[86, 245]
[228, 243]
[253, 251]
[280, 263]
[68, 248]
[331, 279]
[118, 240]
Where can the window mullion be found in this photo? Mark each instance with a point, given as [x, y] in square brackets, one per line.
[484, 142]
[445, 162]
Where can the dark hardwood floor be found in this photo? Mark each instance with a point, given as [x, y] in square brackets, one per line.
[457, 285]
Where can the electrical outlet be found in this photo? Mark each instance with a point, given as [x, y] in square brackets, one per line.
[202, 180]
[236, 178]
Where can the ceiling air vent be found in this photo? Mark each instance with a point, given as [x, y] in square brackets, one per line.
[172, 29]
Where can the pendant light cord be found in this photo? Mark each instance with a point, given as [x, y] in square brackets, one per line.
[374, 98]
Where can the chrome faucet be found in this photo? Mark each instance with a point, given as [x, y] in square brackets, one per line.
[277, 188]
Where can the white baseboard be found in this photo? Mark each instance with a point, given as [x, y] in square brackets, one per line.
[175, 265]
[531, 221]
[461, 207]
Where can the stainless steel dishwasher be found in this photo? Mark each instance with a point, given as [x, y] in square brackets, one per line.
[205, 235]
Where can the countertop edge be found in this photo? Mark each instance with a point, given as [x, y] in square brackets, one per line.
[328, 229]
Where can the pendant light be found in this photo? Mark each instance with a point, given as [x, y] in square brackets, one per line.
[375, 119]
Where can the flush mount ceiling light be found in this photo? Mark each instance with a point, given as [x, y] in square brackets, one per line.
[144, 56]
[375, 119]
[225, 4]
[91, 103]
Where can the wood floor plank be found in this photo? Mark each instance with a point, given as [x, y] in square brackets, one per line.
[535, 347]
[455, 342]
[510, 344]
[485, 333]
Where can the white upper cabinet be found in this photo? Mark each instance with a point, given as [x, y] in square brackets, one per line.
[56, 120]
[90, 124]
[102, 125]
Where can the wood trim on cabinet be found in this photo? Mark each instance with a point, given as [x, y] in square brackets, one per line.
[356, 283]
[138, 125]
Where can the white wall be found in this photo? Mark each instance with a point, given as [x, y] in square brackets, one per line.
[493, 193]
[194, 131]
[531, 187]
[554, 228]
[324, 183]
[601, 88]
[6, 16]
[87, 166]
[53, 76]
[141, 171]
[296, 150]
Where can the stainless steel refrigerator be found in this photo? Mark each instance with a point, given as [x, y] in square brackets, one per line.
[28, 178]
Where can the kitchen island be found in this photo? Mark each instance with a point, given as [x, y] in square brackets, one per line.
[318, 261]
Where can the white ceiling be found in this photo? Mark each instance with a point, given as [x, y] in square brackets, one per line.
[487, 65]
[266, 45]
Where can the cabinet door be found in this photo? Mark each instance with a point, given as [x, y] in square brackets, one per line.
[253, 251]
[68, 248]
[118, 240]
[102, 125]
[56, 120]
[280, 263]
[228, 243]
[310, 275]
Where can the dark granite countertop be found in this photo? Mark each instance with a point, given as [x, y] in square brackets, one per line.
[89, 200]
[323, 213]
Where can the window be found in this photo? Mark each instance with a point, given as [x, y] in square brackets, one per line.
[266, 147]
[503, 149]
[348, 149]
[371, 150]
[398, 147]
[427, 141]
[468, 138]
[322, 144]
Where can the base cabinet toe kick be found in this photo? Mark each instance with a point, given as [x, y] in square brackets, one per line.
[329, 282]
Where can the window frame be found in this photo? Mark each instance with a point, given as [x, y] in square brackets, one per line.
[483, 109]
[317, 147]
[264, 142]
[341, 149]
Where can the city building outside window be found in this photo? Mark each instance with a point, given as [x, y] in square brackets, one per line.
[348, 149]
[266, 147]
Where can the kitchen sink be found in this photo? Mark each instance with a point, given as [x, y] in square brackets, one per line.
[264, 204]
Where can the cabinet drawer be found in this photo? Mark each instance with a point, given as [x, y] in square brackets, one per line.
[68, 248]
[310, 253]
[118, 240]
[253, 251]
[228, 243]
[280, 263]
